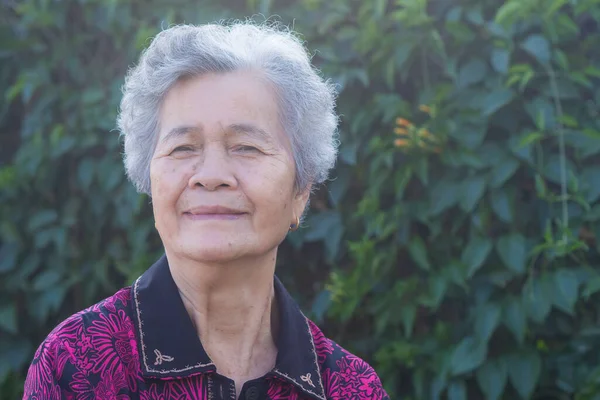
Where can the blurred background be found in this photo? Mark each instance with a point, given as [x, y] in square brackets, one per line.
[456, 246]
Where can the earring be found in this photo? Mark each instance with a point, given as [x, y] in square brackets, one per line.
[295, 226]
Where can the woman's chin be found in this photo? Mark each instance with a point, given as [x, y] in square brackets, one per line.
[213, 249]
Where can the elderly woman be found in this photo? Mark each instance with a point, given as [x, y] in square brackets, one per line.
[227, 128]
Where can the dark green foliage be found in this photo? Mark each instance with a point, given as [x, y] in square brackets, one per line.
[458, 255]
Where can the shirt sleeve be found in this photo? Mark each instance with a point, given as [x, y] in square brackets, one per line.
[46, 378]
[353, 378]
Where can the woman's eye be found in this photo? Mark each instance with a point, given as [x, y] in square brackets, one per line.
[247, 149]
[181, 148]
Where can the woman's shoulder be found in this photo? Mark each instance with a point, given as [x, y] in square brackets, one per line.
[118, 304]
[82, 343]
[343, 373]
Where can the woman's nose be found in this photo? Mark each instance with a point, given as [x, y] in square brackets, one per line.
[213, 170]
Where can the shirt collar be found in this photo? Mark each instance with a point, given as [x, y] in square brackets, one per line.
[169, 346]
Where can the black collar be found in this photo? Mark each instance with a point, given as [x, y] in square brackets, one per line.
[169, 346]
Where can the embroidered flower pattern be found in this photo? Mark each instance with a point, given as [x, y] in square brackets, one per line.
[94, 355]
[356, 380]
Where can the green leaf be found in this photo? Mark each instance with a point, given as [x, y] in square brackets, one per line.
[379, 8]
[8, 318]
[475, 254]
[418, 252]
[466, 158]
[554, 7]
[85, 173]
[592, 287]
[542, 113]
[8, 256]
[592, 71]
[593, 214]
[503, 172]
[564, 90]
[590, 178]
[492, 377]
[327, 227]
[422, 170]
[454, 14]
[48, 301]
[402, 53]
[540, 186]
[561, 59]
[46, 279]
[553, 167]
[507, 12]
[41, 219]
[530, 138]
[501, 205]
[537, 297]
[390, 73]
[438, 285]
[538, 46]
[443, 196]
[454, 271]
[14, 355]
[524, 372]
[486, 320]
[470, 137]
[321, 304]
[568, 121]
[472, 72]
[495, 100]
[93, 95]
[457, 391]
[437, 387]
[402, 179]
[566, 286]
[475, 16]
[408, 315]
[500, 60]
[472, 191]
[512, 251]
[468, 355]
[514, 317]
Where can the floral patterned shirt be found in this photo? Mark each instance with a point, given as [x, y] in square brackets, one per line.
[141, 344]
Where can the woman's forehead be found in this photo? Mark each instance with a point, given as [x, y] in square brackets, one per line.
[243, 90]
[236, 103]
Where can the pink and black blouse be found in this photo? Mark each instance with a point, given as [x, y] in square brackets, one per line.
[141, 344]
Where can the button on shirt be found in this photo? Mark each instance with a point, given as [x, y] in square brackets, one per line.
[252, 393]
[141, 344]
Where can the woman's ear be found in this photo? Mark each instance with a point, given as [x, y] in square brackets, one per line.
[301, 199]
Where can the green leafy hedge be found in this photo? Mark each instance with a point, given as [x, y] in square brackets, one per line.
[456, 249]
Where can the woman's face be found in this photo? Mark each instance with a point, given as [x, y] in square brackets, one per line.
[223, 172]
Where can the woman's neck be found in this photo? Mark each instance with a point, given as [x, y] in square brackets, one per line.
[232, 307]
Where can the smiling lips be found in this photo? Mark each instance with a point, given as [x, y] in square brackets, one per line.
[212, 213]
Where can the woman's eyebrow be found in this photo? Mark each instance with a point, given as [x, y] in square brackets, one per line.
[251, 130]
[238, 129]
[180, 131]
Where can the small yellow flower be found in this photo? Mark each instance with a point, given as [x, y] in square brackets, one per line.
[404, 122]
[401, 143]
[400, 131]
[425, 108]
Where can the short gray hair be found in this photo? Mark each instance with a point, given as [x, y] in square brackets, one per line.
[306, 101]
